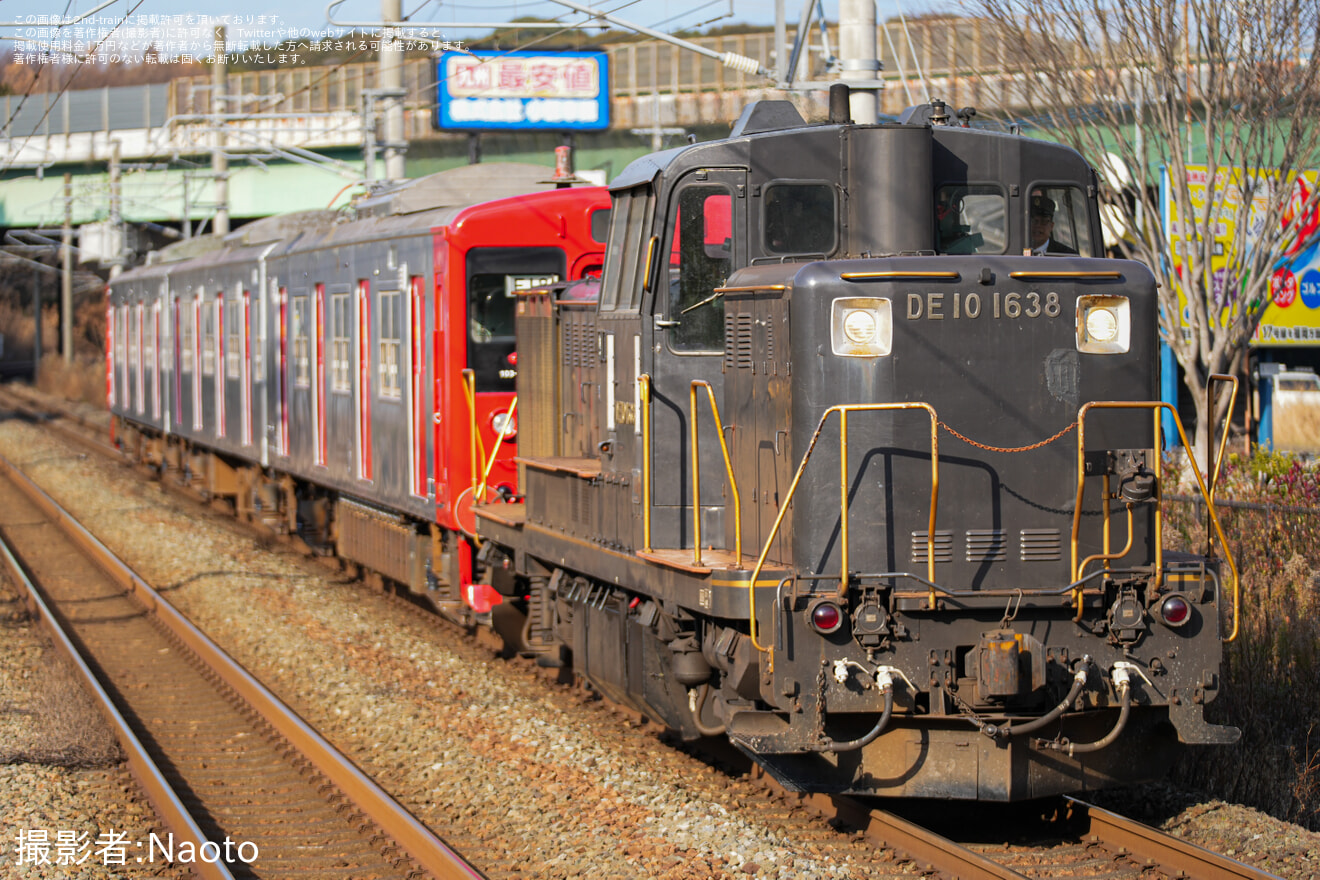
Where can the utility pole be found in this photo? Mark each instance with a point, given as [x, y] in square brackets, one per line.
[858, 56]
[219, 161]
[36, 315]
[391, 86]
[66, 275]
[116, 213]
[781, 37]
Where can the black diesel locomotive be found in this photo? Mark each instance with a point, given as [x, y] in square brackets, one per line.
[849, 455]
[853, 458]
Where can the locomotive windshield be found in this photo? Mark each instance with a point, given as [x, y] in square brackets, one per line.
[799, 218]
[971, 219]
[494, 278]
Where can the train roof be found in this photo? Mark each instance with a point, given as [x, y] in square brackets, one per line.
[458, 187]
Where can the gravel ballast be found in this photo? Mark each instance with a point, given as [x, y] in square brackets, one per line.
[453, 732]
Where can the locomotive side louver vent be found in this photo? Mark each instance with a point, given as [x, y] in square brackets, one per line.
[943, 546]
[986, 545]
[1040, 545]
[738, 341]
[577, 341]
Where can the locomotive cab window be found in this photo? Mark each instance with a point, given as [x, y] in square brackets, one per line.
[621, 279]
[495, 276]
[970, 219]
[799, 218]
[1057, 222]
[701, 257]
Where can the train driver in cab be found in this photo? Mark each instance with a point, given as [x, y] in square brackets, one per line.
[1041, 227]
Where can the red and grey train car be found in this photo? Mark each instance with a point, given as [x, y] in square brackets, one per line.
[351, 378]
[855, 462]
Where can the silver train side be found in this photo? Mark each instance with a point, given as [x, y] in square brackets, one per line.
[929, 563]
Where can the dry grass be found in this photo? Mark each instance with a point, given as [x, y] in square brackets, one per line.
[82, 380]
[1297, 427]
[1272, 671]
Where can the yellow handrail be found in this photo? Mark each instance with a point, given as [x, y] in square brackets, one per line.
[696, 473]
[644, 388]
[1228, 419]
[1155, 407]
[843, 409]
[495, 452]
[476, 449]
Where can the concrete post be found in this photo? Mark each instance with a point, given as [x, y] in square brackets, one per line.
[391, 81]
[66, 274]
[858, 56]
[219, 161]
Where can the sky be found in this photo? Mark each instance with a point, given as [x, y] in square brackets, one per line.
[177, 26]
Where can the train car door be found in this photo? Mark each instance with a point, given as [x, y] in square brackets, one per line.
[703, 243]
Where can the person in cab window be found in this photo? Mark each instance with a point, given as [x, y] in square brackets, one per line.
[1042, 228]
[954, 236]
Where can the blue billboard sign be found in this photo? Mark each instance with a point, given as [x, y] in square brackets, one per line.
[494, 91]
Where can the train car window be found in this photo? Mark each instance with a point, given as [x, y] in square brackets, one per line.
[621, 281]
[186, 331]
[970, 219]
[600, 225]
[1058, 221]
[208, 341]
[233, 340]
[133, 338]
[494, 278]
[799, 218]
[302, 359]
[391, 344]
[700, 259]
[341, 375]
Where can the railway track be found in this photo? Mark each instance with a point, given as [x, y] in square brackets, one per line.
[1063, 838]
[245, 787]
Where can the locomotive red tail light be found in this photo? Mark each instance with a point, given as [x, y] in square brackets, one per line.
[1175, 611]
[826, 617]
[512, 358]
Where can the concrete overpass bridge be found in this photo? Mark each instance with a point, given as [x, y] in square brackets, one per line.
[295, 137]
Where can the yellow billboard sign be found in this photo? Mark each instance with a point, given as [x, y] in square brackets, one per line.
[1293, 315]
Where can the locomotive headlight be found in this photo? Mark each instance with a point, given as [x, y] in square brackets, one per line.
[1104, 324]
[861, 327]
[504, 423]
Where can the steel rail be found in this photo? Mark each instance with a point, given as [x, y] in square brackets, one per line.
[427, 850]
[159, 792]
[924, 846]
[1115, 831]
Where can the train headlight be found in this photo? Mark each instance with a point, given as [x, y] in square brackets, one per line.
[861, 327]
[1104, 324]
[1175, 610]
[505, 423]
[826, 616]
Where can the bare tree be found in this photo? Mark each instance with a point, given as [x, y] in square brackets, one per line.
[1236, 85]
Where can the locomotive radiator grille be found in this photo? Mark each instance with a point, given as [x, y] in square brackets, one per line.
[1040, 545]
[943, 546]
[986, 545]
